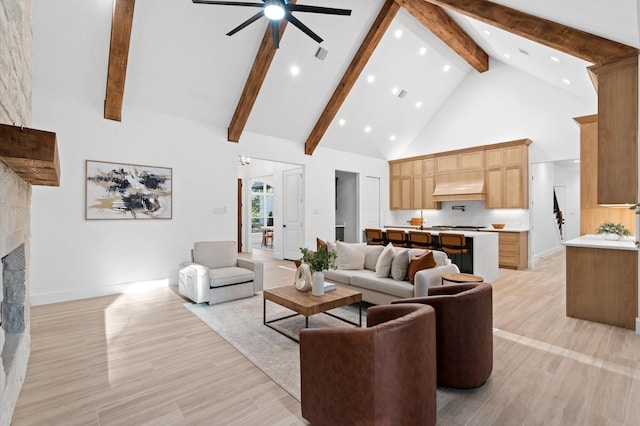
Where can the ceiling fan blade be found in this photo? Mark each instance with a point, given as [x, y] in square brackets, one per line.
[289, 17]
[228, 3]
[251, 20]
[275, 33]
[317, 9]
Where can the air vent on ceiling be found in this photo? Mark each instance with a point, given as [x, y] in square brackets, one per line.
[524, 52]
[321, 53]
[402, 93]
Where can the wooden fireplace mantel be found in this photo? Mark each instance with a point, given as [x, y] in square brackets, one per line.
[31, 153]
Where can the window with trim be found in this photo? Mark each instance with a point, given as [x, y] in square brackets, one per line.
[261, 206]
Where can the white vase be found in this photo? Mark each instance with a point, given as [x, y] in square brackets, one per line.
[317, 288]
[610, 236]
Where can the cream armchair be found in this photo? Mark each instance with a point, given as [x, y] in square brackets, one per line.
[216, 274]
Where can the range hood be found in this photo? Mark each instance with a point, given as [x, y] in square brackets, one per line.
[460, 186]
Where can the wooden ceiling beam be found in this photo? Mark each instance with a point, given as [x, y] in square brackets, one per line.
[359, 61]
[447, 30]
[252, 86]
[121, 23]
[586, 46]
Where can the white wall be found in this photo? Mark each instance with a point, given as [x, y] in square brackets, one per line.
[505, 104]
[544, 235]
[75, 258]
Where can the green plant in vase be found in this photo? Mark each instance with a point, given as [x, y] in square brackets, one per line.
[319, 260]
[612, 231]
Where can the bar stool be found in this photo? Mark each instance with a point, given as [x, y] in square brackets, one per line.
[374, 236]
[397, 237]
[421, 239]
[455, 245]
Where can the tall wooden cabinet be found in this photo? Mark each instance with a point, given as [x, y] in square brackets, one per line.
[506, 176]
[617, 87]
[591, 213]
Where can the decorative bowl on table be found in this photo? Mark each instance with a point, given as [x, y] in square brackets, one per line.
[497, 225]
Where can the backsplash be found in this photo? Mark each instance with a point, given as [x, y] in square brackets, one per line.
[474, 214]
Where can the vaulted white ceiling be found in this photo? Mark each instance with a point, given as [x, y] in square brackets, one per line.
[181, 63]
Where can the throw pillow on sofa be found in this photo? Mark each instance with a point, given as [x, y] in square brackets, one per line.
[420, 262]
[331, 248]
[371, 257]
[350, 255]
[383, 265]
[400, 265]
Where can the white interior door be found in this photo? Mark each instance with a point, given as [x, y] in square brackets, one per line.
[293, 215]
[371, 202]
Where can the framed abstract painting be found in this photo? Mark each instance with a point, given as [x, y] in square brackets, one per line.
[127, 191]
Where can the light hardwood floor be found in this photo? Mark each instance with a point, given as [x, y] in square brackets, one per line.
[145, 359]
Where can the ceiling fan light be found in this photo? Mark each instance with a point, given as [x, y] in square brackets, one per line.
[274, 10]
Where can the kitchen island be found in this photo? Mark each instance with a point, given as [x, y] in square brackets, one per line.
[602, 280]
[484, 250]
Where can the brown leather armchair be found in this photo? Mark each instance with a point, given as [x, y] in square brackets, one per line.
[464, 332]
[380, 375]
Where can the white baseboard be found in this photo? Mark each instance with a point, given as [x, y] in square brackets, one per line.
[638, 326]
[548, 252]
[87, 293]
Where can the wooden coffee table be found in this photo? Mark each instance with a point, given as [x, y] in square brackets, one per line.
[304, 303]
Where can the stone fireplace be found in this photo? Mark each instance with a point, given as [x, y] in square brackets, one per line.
[22, 153]
[15, 339]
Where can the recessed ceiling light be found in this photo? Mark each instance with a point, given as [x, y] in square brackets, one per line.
[418, 104]
[367, 129]
[342, 122]
[422, 50]
[392, 138]
[576, 161]
[554, 58]
[395, 90]
[506, 55]
[487, 32]
[398, 33]
[566, 81]
[446, 68]
[371, 79]
[295, 70]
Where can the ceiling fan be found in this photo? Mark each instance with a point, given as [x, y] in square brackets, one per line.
[276, 10]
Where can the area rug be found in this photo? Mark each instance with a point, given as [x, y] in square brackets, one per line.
[239, 322]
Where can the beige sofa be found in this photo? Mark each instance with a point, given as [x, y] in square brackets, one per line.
[380, 291]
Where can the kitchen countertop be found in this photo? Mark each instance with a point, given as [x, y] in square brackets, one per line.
[595, 241]
[466, 233]
[432, 230]
[484, 249]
